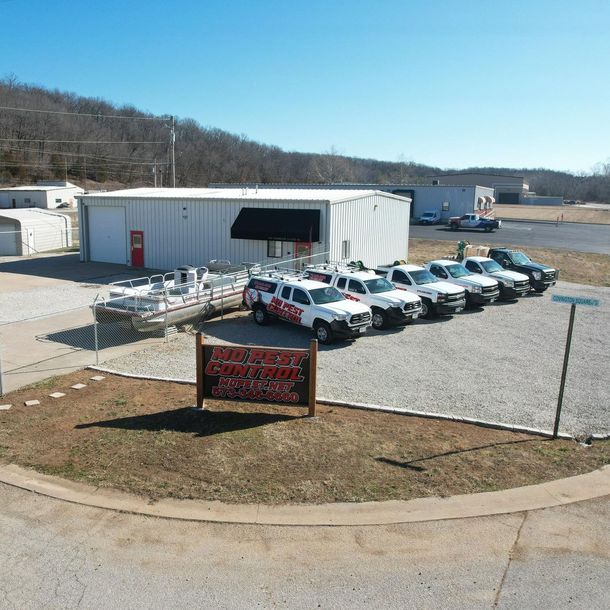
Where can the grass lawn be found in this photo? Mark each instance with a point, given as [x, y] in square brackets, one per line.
[578, 267]
[142, 437]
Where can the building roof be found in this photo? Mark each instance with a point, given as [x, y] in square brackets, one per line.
[250, 194]
[477, 174]
[29, 214]
[37, 187]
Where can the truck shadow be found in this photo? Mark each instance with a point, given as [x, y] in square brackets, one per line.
[189, 421]
[242, 330]
[83, 337]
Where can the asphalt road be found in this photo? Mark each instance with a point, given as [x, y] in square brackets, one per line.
[569, 235]
[55, 554]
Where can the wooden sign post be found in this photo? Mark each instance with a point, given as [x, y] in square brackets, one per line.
[257, 374]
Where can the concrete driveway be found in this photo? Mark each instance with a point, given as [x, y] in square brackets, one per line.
[59, 555]
[46, 326]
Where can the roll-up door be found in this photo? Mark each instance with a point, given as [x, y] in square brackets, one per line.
[107, 236]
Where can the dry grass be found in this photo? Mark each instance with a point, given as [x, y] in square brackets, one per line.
[579, 267]
[570, 214]
[142, 437]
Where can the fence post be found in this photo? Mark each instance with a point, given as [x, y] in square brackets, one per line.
[97, 356]
[222, 298]
[166, 307]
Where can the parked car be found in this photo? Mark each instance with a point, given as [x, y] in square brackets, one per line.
[437, 297]
[474, 221]
[512, 284]
[541, 276]
[389, 306]
[480, 290]
[430, 217]
[306, 303]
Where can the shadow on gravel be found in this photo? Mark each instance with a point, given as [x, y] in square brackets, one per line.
[243, 330]
[83, 337]
[187, 420]
[411, 465]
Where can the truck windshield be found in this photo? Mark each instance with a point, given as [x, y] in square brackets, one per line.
[491, 266]
[428, 214]
[377, 285]
[326, 295]
[457, 270]
[423, 276]
[519, 258]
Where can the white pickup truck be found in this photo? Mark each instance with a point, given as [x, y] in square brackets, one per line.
[307, 303]
[480, 290]
[512, 284]
[389, 306]
[437, 297]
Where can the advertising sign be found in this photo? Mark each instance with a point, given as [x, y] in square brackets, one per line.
[257, 374]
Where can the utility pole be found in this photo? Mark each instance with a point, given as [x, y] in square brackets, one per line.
[66, 168]
[155, 173]
[173, 136]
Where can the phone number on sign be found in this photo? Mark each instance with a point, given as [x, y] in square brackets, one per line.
[250, 394]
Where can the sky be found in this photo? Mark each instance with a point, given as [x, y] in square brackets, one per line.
[449, 83]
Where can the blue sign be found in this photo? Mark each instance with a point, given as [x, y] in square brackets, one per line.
[562, 298]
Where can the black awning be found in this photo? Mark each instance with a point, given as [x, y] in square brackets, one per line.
[281, 224]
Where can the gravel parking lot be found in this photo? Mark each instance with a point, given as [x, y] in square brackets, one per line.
[502, 363]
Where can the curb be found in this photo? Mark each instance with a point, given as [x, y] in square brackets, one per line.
[588, 486]
[385, 409]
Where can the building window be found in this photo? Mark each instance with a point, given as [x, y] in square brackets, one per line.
[345, 248]
[445, 206]
[58, 201]
[26, 200]
[274, 249]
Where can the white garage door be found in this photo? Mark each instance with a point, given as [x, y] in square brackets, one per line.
[107, 237]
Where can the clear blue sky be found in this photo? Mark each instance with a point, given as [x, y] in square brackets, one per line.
[453, 83]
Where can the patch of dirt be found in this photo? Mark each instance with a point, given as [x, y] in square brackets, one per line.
[143, 437]
[578, 267]
[550, 213]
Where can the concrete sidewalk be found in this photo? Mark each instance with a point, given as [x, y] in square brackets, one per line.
[534, 497]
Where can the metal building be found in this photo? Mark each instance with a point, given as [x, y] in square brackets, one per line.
[46, 195]
[27, 232]
[163, 228]
[454, 200]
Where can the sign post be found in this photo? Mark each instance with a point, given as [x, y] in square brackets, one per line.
[256, 374]
[572, 301]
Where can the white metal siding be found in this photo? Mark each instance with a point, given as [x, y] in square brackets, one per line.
[107, 235]
[194, 231]
[377, 228]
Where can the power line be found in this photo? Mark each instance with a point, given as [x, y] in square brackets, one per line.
[69, 154]
[74, 141]
[86, 114]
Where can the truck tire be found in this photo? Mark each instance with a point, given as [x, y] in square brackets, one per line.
[427, 309]
[453, 226]
[488, 229]
[323, 332]
[380, 319]
[261, 317]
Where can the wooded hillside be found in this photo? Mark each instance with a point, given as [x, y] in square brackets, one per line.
[110, 145]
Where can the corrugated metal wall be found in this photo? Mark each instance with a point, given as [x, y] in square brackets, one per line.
[192, 232]
[377, 228]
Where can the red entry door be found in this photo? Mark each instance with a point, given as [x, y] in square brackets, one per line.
[302, 248]
[137, 248]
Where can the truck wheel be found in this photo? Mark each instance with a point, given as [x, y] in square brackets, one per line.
[488, 229]
[261, 317]
[453, 227]
[324, 333]
[540, 290]
[380, 319]
[427, 311]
